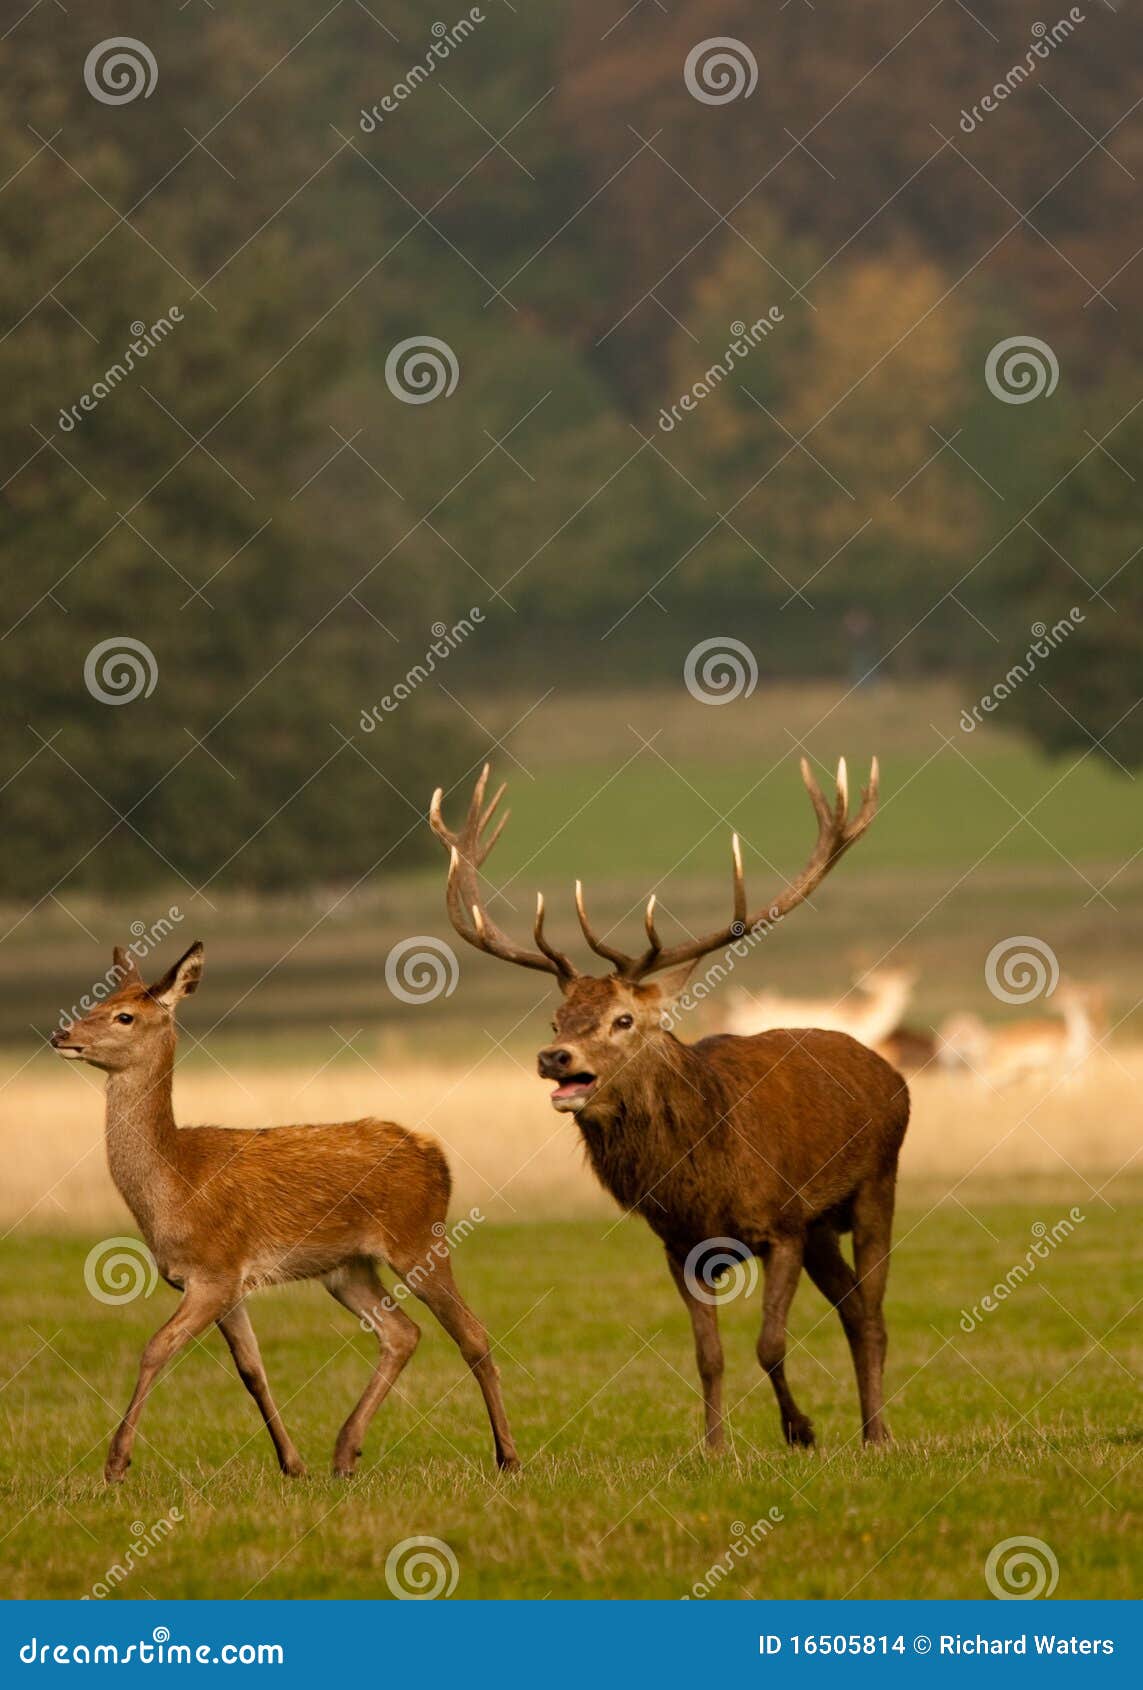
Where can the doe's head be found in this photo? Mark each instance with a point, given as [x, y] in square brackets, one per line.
[135, 1023]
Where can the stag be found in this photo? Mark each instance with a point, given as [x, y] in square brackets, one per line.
[774, 1144]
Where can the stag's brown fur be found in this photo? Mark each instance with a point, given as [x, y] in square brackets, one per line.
[779, 1142]
[226, 1212]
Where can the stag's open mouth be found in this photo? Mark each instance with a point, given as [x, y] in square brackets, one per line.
[573, 1091]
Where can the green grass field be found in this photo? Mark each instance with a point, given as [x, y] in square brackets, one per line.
[1028, 1426]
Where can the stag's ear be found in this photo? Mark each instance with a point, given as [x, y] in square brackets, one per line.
[670, 983]
[180, 980]
[126, 967]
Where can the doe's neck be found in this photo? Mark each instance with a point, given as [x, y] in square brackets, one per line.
[141, 1134]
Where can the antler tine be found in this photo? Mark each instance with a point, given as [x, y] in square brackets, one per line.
[653, 939]
[467, 851]
[739, 882]
[491, 808]
[558, 957]
[622, 962]
[836, 833]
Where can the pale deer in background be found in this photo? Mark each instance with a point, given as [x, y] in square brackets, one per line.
[1059, 1044]
[226, 1212]
[868, 1013]
[778, 1143]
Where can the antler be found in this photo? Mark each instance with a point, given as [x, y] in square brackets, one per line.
[468, 850]
[836, 833]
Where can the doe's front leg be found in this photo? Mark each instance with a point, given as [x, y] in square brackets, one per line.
[201, 1306]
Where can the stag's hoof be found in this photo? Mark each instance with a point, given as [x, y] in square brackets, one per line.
[509, 1463]
[115, 1470]
[799, 1433]
[294, 1468]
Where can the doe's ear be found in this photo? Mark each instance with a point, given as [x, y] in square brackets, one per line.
[180, 980]
[126, 967]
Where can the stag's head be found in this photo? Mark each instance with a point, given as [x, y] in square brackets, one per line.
[610, 1027]
[135, 1023]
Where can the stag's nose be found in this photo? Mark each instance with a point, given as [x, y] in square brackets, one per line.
[553, 1061]
[59, 1037]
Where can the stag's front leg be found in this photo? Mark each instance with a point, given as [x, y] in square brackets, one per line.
[783, 1267]
[708, 1354]
[200, 1308]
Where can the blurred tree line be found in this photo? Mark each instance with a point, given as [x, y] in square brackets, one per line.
[284, 534]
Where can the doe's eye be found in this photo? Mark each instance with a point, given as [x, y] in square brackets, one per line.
[622, 1022]
[125, 1019]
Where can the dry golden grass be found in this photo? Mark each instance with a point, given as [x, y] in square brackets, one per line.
[511, 1156]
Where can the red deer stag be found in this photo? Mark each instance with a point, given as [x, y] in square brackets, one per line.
[225, 1212]
[773, 1144]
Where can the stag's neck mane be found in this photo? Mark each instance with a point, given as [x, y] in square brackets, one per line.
[644, 1134]
[142, 1147]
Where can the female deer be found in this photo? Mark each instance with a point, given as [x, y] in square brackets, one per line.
[774, 1144]
[226, 1212]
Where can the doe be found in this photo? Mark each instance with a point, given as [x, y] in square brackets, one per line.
[225, 1212]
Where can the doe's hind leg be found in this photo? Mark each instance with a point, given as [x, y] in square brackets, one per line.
[432, 1281]
[357, 1287]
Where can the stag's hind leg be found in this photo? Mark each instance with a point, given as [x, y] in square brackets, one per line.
[708, 1355]
[357, 1288]
[872, 1239]
[783, 1266]
[432, 1281]
[836, 1280]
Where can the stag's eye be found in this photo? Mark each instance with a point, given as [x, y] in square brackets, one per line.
[125, 1019]
[622, 1022]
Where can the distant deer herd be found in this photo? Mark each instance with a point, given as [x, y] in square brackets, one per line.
[778, 1137]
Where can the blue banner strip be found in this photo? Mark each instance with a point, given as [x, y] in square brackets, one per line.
[556, 1644]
